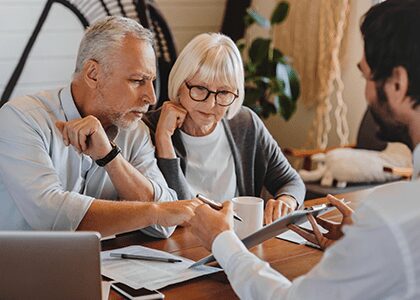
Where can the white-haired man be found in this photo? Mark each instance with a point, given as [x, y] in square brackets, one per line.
[65, 153]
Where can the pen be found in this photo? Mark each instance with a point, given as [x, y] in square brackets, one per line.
[325, 205]
[144, 257]
[215, 205]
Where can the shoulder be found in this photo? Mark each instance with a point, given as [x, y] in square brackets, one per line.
[245, 118]
[392, 203]
[38, 107]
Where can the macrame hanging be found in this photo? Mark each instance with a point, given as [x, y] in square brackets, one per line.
[313, 35]
[331, 34]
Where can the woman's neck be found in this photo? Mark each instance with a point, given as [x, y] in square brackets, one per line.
[191, 128]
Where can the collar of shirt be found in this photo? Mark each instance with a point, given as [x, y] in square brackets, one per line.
[416, 162]
[67, 103]
[71, 112]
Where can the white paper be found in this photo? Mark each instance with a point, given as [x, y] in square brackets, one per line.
[149, 274]
[106, 286]
[293, 237]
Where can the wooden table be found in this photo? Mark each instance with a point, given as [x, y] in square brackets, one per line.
[290, 259]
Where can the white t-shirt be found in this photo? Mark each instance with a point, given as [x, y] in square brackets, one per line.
[210, 168]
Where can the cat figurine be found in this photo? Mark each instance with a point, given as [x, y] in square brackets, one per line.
[347, 165]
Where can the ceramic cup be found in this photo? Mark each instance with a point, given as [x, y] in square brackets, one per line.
[251, 210]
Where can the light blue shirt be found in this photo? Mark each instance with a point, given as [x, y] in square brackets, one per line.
[45, 185]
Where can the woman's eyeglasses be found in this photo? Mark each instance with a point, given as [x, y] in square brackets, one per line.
[200, 93]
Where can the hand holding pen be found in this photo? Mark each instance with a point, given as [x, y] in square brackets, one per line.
[215, 205]
[335, 231]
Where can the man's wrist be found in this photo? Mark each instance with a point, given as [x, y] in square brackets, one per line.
[153, 213]
[115, 150]
[225, 245]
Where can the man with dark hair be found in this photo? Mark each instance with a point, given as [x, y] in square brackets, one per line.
[375, 256]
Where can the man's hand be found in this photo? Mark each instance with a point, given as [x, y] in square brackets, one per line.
[335, 231]
[276, 208]
[208, 223]
[171, 117]
[86, 135]
[175, 213]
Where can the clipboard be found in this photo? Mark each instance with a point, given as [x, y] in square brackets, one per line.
[274, 229]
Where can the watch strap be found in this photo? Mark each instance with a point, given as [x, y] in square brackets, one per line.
[110, 156]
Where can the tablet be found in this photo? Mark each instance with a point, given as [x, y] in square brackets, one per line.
[274, 229]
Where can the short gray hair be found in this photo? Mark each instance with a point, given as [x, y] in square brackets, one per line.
[214, 56]
[105, 36]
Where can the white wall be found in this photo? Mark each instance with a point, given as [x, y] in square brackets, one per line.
[187, 18]
[52, 58]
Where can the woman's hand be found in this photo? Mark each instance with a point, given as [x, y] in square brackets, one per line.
[171, 117]
[276, 208]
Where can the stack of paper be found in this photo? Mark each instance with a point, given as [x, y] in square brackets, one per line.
[149, 274]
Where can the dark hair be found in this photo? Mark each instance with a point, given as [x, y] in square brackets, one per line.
[391, 33]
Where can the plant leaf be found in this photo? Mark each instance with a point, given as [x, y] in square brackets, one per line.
[280, 13]
[287, 107]
[248, 21]
[294, 82]
[258, 52]
[276, 86]
[254, 16]
[240, 44]
[278, 56]
[291, 80]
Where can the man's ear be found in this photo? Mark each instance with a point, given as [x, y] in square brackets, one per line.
[91, 73]
[397, 84]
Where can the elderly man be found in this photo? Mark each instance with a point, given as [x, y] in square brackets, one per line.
[65, 153]
[378, 256]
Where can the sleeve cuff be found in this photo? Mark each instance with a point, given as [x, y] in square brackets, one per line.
[72, 211]
[225, 246]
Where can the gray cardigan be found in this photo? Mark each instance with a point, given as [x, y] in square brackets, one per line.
[258, 159]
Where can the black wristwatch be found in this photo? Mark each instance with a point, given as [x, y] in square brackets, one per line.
[110, 156]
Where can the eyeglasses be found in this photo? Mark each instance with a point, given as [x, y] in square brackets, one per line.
[200, 93]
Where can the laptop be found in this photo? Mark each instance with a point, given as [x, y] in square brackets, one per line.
[49, 265]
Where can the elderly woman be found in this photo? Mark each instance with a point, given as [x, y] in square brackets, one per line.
[207, 142]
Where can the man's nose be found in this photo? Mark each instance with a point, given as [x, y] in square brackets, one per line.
[149, 95]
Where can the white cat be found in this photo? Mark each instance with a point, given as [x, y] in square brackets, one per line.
[356, 165]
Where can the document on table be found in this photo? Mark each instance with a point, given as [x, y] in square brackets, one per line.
[293, 237]
[149, 274]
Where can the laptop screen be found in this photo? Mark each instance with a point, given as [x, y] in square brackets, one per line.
[49, 265]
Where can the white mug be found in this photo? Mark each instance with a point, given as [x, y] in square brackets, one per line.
[251, 210]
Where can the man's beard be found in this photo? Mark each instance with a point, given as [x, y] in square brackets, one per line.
[120, 120]
[390, 130]
[115, 117]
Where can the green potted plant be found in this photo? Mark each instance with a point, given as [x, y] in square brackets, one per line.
[271, 84]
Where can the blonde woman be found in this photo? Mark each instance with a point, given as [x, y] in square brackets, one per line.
[207, 142]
